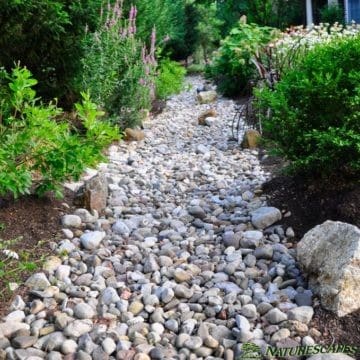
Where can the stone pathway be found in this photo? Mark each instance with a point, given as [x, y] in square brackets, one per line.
[186, 263]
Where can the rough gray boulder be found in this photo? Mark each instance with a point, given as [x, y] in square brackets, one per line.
[330, 256]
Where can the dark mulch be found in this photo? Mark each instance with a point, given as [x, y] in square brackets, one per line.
[35, 222]
[311, 202]
[334, 330]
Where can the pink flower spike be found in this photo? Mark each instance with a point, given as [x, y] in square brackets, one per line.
[131, 15]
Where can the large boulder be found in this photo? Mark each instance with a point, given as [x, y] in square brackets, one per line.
[330, 255]
[206, 97]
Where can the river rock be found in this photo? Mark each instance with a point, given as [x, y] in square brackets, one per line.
[206, 97]
[265, 216]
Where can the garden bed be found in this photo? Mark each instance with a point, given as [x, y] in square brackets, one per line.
[35, 222]
[311, 202]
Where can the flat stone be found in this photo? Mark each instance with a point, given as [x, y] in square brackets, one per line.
[181, 275]
[84, 311]
[69, 347]
[78, 328]
[303, 314]
[92, 240]
[251, 239]
[38, 281]
[264, 217]
[109, 296]
[108, 345]
[71, 221]
[120, 228]
[136, 307]
[197, 211]
[23, 342]
[275, 316]
[8, 329]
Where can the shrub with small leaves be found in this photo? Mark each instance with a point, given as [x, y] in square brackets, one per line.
[38, 151]
[315, 116]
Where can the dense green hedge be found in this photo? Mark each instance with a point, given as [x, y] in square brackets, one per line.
[45, 36]
[315, 109]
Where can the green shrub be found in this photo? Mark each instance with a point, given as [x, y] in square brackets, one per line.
[231, 67]
[45, 36]
[39, 152]
[170, 79]
[315, 109]
[117, 69]
[332, 14]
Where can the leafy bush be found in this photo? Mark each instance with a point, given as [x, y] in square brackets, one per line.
[45, 36]
[117, 69]
[170, 79]
[231, 67]
[315, 116]
[37, 150]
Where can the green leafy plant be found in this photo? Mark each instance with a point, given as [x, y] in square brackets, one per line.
[315, 110]
[38, 151]
[231, 67]
[170, 78]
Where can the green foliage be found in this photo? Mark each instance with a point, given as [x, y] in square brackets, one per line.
[45, 36]
[275, 13]
[37, 150]
[315, 109]
[232, 68]
[117, 70]
[331, 14]
[208, 29]
[175, 22]
[195, 69]
[229, 13]
[170, 79]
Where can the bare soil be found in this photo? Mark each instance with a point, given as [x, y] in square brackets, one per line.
[31, 223]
